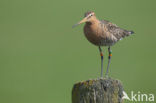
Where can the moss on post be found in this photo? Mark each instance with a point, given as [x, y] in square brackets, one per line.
[104, 90]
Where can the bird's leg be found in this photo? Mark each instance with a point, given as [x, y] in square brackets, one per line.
[109, 59]
[101, 54]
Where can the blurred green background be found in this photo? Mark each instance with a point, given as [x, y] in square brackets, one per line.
[41, 56]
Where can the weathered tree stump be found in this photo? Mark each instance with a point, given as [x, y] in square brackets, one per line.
[104, 90]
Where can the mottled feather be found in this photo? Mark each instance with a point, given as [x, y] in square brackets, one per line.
[103, 32]
[116, 31]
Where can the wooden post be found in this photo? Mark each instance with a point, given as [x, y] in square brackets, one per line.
[103, 90]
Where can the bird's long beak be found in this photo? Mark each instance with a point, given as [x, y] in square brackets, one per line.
[82, 21]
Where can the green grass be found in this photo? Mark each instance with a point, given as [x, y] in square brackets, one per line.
[41, 56]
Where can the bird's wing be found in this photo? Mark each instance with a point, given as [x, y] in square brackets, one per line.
[116, 31]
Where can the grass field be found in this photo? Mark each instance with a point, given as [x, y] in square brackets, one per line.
[41, 56]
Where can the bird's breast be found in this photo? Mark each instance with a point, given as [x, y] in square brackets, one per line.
[98, 35]
[94, 34]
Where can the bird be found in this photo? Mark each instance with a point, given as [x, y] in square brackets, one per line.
[102, 33]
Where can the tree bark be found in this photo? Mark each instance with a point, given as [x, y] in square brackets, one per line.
[103, 90]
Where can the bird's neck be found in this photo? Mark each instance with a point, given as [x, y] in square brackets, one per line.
[93, 22]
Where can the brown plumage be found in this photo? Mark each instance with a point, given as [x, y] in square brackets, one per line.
[102, 33]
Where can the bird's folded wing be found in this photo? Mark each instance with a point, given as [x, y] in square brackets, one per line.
[116, 31]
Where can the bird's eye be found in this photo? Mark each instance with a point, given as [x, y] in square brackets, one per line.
[90, 15]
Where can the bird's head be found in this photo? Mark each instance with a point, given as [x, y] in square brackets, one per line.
[88, 17]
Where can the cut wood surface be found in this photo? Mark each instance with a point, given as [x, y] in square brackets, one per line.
[103, 90]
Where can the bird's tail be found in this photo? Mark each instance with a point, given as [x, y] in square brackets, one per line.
[131, 32]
